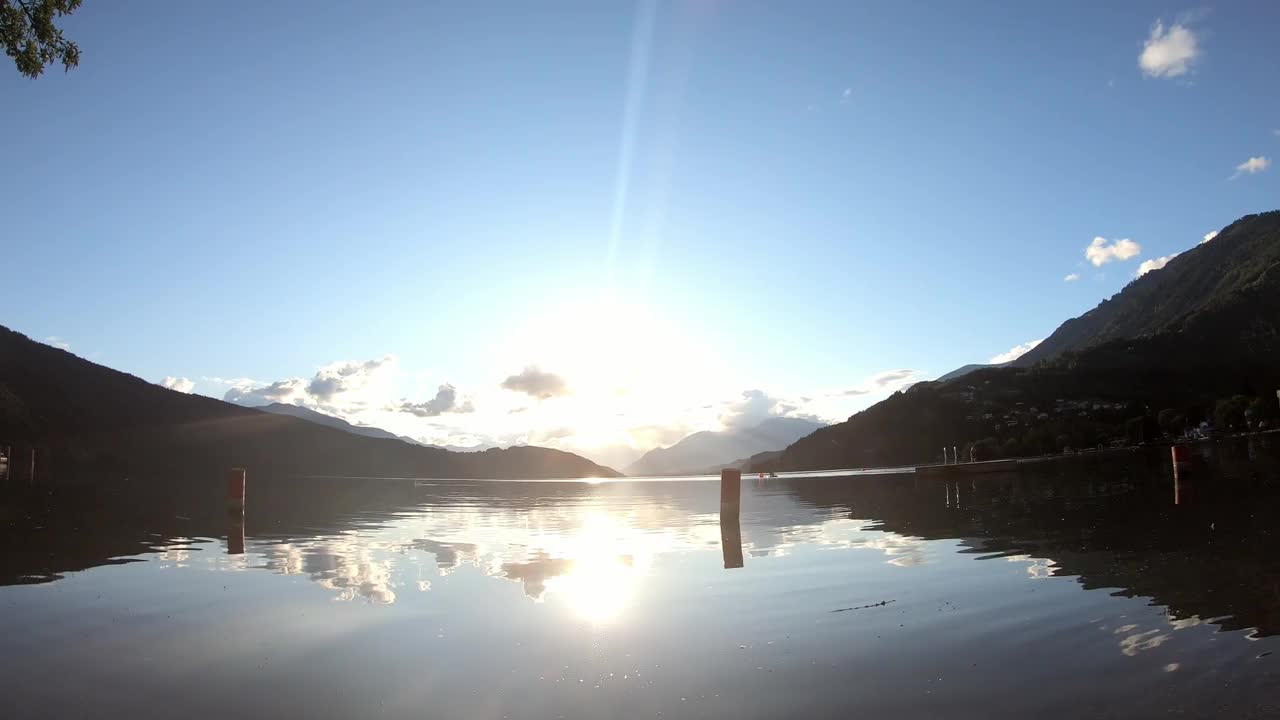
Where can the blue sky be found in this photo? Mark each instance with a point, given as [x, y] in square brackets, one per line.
[662, 205]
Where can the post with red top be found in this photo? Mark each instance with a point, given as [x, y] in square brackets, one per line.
[235, 489]
[730, 507]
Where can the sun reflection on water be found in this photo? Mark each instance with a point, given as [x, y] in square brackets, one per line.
[589, 558]
[609, 559]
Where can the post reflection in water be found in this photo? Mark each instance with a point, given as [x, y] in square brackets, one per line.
[235, 532]
[731, 537]
[1082, 578]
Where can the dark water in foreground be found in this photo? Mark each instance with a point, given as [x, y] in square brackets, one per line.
[1088, 588]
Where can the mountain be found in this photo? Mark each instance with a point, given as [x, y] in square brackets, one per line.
[310, 415]
[320, 418]
[86, 416]
[1111, 393]
[1177, 346]
[742, 463]
[703, 450]
[1228, 288]
[961, 371]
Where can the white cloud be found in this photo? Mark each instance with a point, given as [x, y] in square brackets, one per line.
[180, 384]
[1015, 352]
[536, 383]
[844, 96]
[893, 378]
[883, 383]
[1149, 265]
[58, 342]
[1209, 236]
[1169, 52]
[755, 407]
[292, 391]
[344, 385]
[1251, 166]
[230, 381]
[1071, 277]
[347, 378]
[445, 401]
[1099, 252]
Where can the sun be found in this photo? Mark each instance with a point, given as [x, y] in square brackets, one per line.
[625, 365]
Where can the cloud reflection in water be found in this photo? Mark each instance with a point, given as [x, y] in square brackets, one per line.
[591, 554]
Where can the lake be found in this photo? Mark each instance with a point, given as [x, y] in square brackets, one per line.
[1089, 587]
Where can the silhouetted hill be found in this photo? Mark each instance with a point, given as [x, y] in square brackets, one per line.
[1185, 339]
[704, 450]
[90, 416]
[1088, 399]
[1228, 287]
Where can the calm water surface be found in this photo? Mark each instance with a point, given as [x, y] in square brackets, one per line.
[1087, 588]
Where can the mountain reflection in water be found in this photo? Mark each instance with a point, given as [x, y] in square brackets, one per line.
[917, 587]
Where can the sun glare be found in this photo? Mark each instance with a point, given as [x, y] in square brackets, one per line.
[598, 588]
[627, 365]
[609, 559]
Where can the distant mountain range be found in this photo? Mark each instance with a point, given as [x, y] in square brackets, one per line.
[303, 413]
[85, 416]
[320, 418]
[741, 463]
[1203, 330]
[709, 451]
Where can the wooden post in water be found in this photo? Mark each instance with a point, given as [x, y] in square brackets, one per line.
[235, 489]
[1177, 486]
[235, 511]
[1181, 456]
[730, 522]
[22, 463]
[16, 463]
[730, 488]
